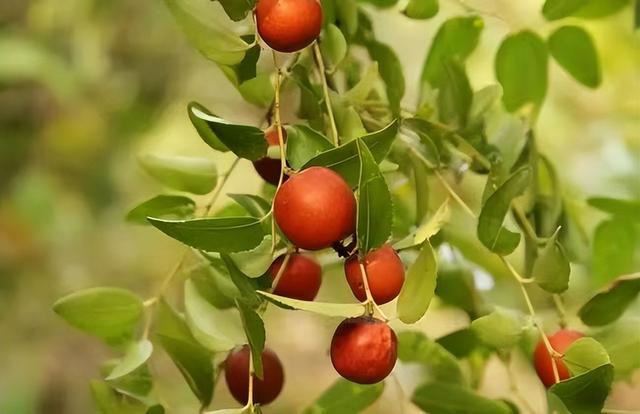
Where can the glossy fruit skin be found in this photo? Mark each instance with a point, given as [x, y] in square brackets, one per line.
[560, 341]
[289, 25]
[364, 350]
[269, 168]
[300, 280]
[385, 274]
[315, 208]
[236, 373]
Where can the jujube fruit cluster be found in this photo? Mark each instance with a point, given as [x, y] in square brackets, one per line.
[289, 25]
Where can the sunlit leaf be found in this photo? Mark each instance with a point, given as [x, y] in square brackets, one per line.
[445, 398]
[419, 286]
[109, 313]
[557, 9]
[137, 354]
[255, 262]
[333, 46]
[573, 48]
[164, 206]
[499, 329]
[584, 355]
[194, 175]
[422, 9]
[346, 397]
[614, 245]
[390, 70]
[304, 143]
[416, 347]
[521, 69]
[344, 310]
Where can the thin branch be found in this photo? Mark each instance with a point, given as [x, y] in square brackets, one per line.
[369, 304]
[325, 89]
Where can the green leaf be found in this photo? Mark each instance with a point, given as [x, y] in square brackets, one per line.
[347, 14]
[254, 329]
[584, 355]
[237, 9]
[108, 313]
[460, 343]
[609, 305]
[454, 99]
[346, 397]
[214, 39]
[455, 40]
[226, 234]
[202, 127]
[344, 159]
[419, 286]
[594, 9]
[390, 70]
[374, 203]
[215, 329]
[456, 288]
[422, 9]
[255, 262]
[194, 363]
[194, 175]
[333, 46]
[443, 398]
[442, 366]
[586, 393]
[167, 206]
[137, 354]
[429, 136]
[255, 205]
[629, 209]
[573, 48]
[170, 323]
[243, 140]
[366, 85]
[108, 401]
[557, 9]
[499, 329]
[429, 227]
[622, 342]
[551, 269]
[381, 3]
[245, 285]
[344, 310]
[304, 143]
[243, 410]
[614, 246]
[521, 69]
[490, 230]
[258, 91]
[214, 283]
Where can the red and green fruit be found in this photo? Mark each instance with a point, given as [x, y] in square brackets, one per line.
[559, 341]
[236, 373]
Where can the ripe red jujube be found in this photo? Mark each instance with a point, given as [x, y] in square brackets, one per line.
[364, 350]
[289, 25]
[315, 208]
[300, 280]
[236, 373]
[560, 341]
[269, 168]
[385, 274]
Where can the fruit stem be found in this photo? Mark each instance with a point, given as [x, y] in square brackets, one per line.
[283, 267]
[278, 125]
[370, 304]
[325, 89]
[250, 390]
[209, 206]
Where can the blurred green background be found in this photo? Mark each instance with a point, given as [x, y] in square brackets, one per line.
[88, 85]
